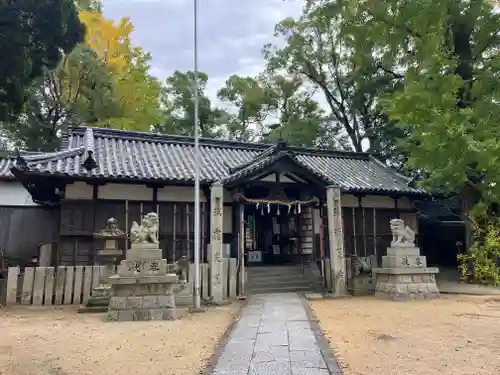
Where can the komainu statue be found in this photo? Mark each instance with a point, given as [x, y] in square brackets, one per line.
[402, 236]
[147, 231]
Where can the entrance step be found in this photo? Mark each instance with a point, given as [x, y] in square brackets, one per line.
[284, 289]
[280, 279]
[257, 283]
[254, 279]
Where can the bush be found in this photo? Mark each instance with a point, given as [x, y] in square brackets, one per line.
[481, 263]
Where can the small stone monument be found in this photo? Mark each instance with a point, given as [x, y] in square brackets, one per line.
[143, 288]
[404, 274]
[362, 282]
[99, 300]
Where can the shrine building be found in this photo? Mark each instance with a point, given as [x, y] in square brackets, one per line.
[266, 205]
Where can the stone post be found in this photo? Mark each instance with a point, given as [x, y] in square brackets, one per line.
[336, 241]
[216, 230]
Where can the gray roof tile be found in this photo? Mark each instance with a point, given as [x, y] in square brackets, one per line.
[148, 156]
[5, 165]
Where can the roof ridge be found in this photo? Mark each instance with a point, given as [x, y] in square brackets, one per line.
[389, 168]
[209, 142]
[42, 157]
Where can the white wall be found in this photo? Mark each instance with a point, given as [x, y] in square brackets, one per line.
[132, 192]
[178, 194]
[272, 178]
[12, 193]
[375, 201]
[78, 190]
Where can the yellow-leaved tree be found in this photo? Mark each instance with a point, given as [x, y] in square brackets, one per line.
[135, 91]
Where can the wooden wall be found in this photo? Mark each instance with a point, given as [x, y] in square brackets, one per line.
[80, 219]
[23, 229]
[367, 230]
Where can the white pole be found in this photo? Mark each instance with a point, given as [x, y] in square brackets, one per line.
[196, 295]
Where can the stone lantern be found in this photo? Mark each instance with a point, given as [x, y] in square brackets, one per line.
[106, 256]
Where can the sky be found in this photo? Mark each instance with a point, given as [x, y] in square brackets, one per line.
[231, 33]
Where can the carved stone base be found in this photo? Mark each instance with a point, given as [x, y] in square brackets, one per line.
[148, 307]
[406, 284]
[144, 298]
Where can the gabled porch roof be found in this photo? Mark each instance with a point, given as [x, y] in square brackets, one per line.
[277, 158]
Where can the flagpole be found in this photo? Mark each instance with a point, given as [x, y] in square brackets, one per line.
[197, 234]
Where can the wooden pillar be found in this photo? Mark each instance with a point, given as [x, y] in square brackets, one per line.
[216, 238]
[95, 197]
[306, 233]
[336, 239]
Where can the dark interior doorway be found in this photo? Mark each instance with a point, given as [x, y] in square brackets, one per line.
[271, 235]
[441, 241]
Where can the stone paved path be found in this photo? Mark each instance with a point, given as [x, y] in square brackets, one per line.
[273, 337]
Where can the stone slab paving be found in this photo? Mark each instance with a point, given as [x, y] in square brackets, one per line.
[276, 335]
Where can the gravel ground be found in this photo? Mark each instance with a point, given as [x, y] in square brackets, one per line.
[457, 335]
[58, 341]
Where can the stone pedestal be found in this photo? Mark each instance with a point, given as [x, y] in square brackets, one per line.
[405, 276]
[101, 294]
[362, 285]
[143, 289]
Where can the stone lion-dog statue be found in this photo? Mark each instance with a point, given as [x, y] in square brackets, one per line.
[402, 236]
[147, 231]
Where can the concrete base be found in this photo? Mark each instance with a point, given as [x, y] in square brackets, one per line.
[196, 310]
[313, 296]
[406, 285]
[146, 307]
[144, 314]
[362, 285]
[144, 298]
[92, 309]
[209, 302]
[98, 301]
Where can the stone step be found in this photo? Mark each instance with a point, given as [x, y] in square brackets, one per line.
[264, 283]
[281, 289]
[274, 272]
[275, 277]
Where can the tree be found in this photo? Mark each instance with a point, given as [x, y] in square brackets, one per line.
[79, 90]
[33, 35]
[317, 51]
[89, 5]
[251, 99]
[136, 92]
[298, 118]
[447, 54]
[178, 101]
[104, 82]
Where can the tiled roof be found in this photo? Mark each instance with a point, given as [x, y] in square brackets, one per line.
[5, 165]
[9, 161]
[118, 154]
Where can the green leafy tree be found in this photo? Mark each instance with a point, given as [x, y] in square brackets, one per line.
[298, 118]
[137, 95]
[178, 101]
[89, 5]
[251, 100]
[79, 90]
[33, 35]
[92, 87]
[316, 50]
[448, 55]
